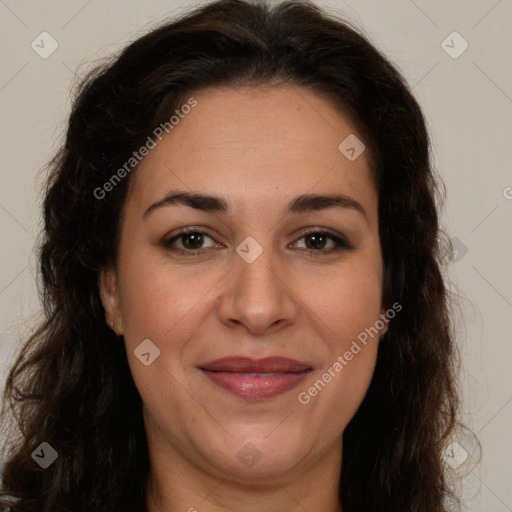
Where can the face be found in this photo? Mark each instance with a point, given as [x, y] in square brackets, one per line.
[279, 270]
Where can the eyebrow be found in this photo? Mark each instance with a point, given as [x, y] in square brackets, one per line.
[300, 204]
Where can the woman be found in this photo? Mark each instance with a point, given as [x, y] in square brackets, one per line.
[241, 280]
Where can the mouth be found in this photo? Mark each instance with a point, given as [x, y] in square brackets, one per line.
[256, 379]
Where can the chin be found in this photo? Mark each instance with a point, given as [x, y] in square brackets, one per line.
[258, 458]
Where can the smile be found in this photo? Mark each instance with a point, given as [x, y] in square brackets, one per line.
[252, 379]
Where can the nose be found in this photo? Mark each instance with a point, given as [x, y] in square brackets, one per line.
[259, 295]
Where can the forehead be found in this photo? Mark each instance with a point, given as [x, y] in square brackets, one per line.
[255, 143]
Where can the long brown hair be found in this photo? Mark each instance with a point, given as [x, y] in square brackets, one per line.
[71, 385]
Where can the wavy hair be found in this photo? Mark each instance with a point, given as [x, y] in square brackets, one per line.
[71, 385]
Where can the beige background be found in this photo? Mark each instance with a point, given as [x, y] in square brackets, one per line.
[468, 103]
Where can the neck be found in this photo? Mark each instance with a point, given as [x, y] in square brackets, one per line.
[178, 486]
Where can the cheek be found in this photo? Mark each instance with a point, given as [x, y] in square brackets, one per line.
[347, 301]
[165, 305]
[158, 300]
[348, 310]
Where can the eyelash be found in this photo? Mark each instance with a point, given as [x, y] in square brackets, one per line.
[340, 242]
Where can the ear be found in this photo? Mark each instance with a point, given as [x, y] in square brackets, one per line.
[109, 294]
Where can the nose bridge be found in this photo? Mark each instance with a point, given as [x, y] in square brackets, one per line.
[258, 278]
[256, 281]
[256, 296]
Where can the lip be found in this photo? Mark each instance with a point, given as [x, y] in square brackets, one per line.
[245, 377]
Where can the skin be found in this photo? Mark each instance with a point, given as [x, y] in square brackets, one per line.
[258, 148]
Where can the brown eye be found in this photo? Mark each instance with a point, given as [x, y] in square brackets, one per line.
[321, 242]
[316, 241]
[192, 240]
